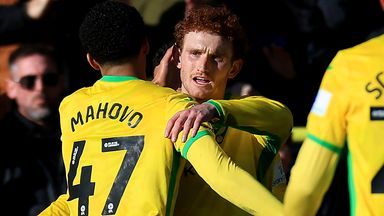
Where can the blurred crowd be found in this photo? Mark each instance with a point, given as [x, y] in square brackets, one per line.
[291, 42]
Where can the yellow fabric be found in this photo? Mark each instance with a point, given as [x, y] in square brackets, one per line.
[270, 123]
[306, 182]
[57, 208]
[118, 161]
[348, 110]
[299, 134]
[222, 177]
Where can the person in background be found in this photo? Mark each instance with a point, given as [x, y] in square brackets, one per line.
[20, 22]
[347, 114]
[209, 51]
[31, 166]
[117, 158]
[14, 17]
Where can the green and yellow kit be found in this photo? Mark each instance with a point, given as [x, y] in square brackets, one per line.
[348, 112]
[118, 161]
[250, 131]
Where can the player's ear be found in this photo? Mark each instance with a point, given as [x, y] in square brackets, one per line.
[93, 62]
[146, 46]
[236, 67]
[176, 55]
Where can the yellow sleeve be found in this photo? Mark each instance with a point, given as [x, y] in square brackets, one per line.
[256, 114]
[310, 178]
[57, 208]
[227, 179]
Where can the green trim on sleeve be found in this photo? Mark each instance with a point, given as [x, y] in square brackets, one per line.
[325, 144]
[189, 143]
[219, 110]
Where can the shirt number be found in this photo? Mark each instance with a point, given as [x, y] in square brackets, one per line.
[133, 145]
[377, 182]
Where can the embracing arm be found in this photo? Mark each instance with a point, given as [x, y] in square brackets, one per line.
[226, 178]
[255, 114]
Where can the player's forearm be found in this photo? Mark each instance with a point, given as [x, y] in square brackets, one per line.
[261, 114]
[229, 180]
[310, 178]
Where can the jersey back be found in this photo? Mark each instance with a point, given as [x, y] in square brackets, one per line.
[117, 159]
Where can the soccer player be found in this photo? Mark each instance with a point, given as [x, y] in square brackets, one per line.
[117, 159]
[250, 130]
[348, 112]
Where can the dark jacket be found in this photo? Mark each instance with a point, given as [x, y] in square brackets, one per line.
[32, 172]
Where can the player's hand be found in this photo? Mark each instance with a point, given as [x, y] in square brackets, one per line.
[166, 73]
[189, 119]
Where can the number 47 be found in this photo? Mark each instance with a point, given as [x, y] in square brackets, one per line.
[133, 145]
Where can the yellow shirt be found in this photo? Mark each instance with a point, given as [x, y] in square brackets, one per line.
[348, 110]
[251, 132]
[119, 163]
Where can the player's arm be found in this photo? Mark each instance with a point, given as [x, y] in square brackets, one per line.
[255, 114]
[225, 177]
[57, 208]
[310, 177]
[272, 122]
[219, 171]
[317, 160]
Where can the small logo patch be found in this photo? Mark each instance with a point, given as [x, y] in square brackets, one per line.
[321, 103]
[377, 113]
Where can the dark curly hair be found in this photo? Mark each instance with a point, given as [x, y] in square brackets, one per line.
[112, 32]
[216, 20]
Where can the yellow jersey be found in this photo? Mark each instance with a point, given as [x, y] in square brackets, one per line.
[348, 111]
[118, 161]
[250, 131]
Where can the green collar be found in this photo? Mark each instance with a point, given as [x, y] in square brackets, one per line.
[118, 78]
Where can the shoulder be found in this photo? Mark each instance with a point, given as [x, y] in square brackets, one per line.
[371, 47]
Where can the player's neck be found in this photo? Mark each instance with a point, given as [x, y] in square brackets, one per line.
[126, 69]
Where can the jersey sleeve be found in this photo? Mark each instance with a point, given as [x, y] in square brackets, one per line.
[316, 162]
[57, 208]
[257, 115]
[310, 178]
[326, 121]
[271, 122]
[227, 179]
[220, 172]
